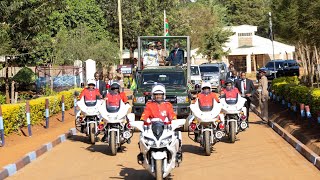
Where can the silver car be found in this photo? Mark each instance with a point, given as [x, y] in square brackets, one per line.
[215, 73]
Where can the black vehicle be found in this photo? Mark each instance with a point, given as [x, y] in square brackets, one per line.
[282, 68]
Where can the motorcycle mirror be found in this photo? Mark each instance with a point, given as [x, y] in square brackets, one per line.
[131, 117]
[76, 93]
[190, 118]
[129, 97]
[104, 94]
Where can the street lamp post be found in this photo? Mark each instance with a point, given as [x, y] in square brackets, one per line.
[271, 37]
[120, 31]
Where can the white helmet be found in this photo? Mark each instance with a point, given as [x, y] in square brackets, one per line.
[159, 89]
[206, 84]
[91, 81]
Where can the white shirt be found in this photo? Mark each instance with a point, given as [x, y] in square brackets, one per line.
[97, 84]
[150, 58]
[243, 84]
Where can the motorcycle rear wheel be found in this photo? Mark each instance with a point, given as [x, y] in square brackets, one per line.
[92, 133]
[113, 143]
[232, 131]
[207, 144]
[159, 173]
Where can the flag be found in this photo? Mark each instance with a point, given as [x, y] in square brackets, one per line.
[133, 85]
[166, 25]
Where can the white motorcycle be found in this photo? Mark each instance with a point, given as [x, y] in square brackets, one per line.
[160, 145]
[88, 118]
[205, 125]
[235, 116]
[117, 130]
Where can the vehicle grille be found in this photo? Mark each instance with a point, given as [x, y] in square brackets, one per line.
[171, 99]
[206, 78]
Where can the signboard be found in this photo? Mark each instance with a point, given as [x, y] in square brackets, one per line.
[125, 69]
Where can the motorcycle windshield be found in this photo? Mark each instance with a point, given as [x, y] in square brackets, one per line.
[113, 107]
[90, 103]
[157, 129]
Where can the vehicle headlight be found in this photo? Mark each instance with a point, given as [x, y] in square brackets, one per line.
[139, 100]
[182, 99]
[149, 141]
[166, 141]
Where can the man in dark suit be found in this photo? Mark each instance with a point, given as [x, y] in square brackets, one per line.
[176, 56]
[246, 89]
[101, 85]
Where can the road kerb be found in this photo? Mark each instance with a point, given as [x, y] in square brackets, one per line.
[11, 169]
[294, 142]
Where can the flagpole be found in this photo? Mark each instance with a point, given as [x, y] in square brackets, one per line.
[164, 29]
[271, 37]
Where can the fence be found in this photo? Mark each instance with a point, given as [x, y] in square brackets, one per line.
[58, 78]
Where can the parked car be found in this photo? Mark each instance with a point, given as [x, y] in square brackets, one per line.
[283, 68]
[195, 77]
[215, 73]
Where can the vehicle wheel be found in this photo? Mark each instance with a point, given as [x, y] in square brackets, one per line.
[232, 131]
[207, 144]
[159, 173]
[92, 133]
[113, 143]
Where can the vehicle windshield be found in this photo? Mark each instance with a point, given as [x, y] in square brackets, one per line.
[195, 70]
[271, 65]
[209, 69]
[167, 79]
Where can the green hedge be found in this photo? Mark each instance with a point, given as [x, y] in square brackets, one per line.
[14, 115]
[290, 89]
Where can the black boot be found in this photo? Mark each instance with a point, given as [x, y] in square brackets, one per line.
[103, 139]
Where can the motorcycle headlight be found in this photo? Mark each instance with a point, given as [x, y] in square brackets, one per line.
[139, 100]
[182, 99]
[149, 141]
[166, 141]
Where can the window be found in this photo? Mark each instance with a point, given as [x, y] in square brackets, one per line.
[209, 69]
[244, 34]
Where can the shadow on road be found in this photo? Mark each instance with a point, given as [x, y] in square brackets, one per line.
[188, 148]
[102, 148]
[132, 174]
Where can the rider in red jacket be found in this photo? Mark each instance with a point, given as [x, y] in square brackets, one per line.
[114, 96]
[158, 108]
[206, 97]
[90, 94]
[230, 92]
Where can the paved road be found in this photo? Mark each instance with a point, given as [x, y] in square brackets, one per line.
[258, 154]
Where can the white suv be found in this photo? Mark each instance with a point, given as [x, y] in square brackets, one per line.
[196, 77]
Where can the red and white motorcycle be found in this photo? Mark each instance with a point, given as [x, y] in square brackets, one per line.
[206, 125]
[160, 145]
[117, 129]
[235, 116]
[88, 118]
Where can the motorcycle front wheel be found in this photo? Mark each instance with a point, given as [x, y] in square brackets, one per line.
[159, 173]
[113, 143]
[207, 144]
[232, 131]
[92, 133]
